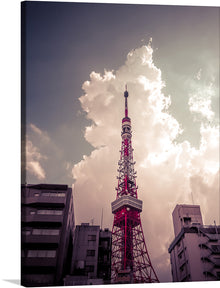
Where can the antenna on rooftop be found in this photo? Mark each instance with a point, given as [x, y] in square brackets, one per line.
[192, 198]
[101, 218]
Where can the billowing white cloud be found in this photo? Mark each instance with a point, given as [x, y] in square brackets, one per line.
[168, 172]
[35, 157]
[199, 74]
[200, 102]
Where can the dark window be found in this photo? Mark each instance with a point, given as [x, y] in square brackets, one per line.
[218, 275]
[91, 237]
[26, 232]
[182, 268]
[90, 252]
[187, 220]
[216, 248]
[180, 255]
[104, 244]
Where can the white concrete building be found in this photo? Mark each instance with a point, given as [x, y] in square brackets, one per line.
[195, 251]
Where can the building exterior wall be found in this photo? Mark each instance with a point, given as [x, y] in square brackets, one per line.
[195, 251]
[91, 261]
[185, 215]
[85, 250]
[104, 256]
[47, 225]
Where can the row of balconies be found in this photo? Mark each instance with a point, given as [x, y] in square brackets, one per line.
[212, 257]
[43, 199]
[40, 239]
[215, 249]
[41, 214]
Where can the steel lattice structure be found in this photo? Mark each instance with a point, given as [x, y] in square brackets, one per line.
[130, 259]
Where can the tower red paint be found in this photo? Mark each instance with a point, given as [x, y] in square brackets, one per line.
[130, 259]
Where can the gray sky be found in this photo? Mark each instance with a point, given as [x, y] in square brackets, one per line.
[88, 52]
[67, 41]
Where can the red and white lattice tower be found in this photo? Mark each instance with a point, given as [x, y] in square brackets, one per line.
[130, 262]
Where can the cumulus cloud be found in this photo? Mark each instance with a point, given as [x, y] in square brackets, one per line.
[33, 158]
[45, 159]
[199, 74]
[168, 172]
[200, 101]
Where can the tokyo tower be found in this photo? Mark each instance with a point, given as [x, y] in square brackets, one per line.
[130, 259]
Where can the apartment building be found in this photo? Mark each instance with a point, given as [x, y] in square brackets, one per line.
[47, 225]
[195, 250]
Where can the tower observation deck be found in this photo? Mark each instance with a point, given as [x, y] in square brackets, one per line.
[130, 259]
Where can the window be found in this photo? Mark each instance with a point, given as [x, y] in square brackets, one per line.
[91, 237]
[36, 232]
[36, 194]
[58, 212]
[216, 248]
[53, 194]
[51, 253]
[90, 252]
[32, 253]
[26, 232]
[182, 268]
[50, 212]
[104, 244]
[45, 194]
[180, 256]
[53, 232]
[61, 194]
[32, 212]
[187, 220]
[41, 253]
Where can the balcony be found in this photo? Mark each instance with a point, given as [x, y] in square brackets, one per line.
[40, 239]
[45, 198]
[42, 218]
[38, 262]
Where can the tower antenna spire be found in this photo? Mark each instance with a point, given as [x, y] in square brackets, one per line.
[130, 261]
[126, 102]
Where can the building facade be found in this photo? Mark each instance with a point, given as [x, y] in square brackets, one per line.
[85, 250]
[104, 256]
[47, 225]
[195, 251]
[91, 260]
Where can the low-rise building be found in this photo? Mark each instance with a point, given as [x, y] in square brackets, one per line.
[195, 251]
[91, 260]
[47, 225]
